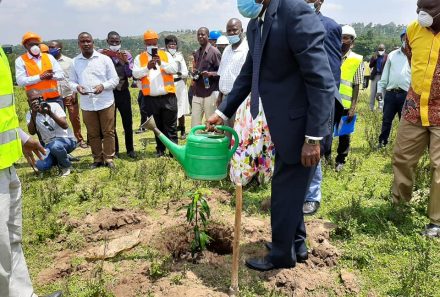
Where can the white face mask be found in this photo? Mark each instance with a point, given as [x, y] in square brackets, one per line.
[172, 51]
[381, 53]
[425, 19]
[115, 48]
[150, 48]
[35, 50]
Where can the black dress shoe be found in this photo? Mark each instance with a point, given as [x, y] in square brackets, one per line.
[260, 264]
[432, 231]
[110, 164]
[310, 208]
[300, 257]
[96, 165]
[132, 155]
[56, 294]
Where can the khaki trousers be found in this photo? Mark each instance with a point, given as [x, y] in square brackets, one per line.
[203, 106]
[411, 142]
[14, 275]
[73, 110]
[101, 133]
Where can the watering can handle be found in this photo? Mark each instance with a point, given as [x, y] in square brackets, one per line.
[224, 128]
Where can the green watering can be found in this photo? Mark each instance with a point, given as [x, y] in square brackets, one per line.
[205, 156]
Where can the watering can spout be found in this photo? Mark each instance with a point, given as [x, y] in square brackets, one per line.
[178, 151]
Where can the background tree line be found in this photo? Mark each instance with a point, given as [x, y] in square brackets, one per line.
[369, 37]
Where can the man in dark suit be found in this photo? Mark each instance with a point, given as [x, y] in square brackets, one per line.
[333, 48]
[288, 69]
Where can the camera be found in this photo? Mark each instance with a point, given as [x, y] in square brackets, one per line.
[195, 74]
[44, 106]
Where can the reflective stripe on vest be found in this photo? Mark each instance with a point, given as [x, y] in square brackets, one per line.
[168, 79]
[348, 71]
[47, 88]
[10, 143]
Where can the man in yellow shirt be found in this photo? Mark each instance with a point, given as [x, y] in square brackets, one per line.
[420, 125]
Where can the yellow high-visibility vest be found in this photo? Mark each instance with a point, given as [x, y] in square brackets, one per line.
[10, 143]
[348, 71]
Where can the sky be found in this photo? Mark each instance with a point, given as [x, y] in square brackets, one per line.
[64, 19]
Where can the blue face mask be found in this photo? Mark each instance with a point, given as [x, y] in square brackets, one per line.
[249, 8]
[234, 39]
[54, 51]
[312, 6]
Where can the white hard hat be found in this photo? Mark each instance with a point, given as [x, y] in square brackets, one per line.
[349, 30]
[222, 40]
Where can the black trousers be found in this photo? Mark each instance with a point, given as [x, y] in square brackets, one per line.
[289, 186]
[143, 116]
[164, 110]
[393, 105]
[344, 144]
[123, 105]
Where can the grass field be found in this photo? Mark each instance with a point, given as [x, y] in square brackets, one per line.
[379, 246]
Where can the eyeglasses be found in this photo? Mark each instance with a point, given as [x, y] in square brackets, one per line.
[48, 126]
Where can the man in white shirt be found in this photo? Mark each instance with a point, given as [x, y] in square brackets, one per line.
[70, 98]
[395, 82]
[232, 60]
[94, 77]
[48, 120]
[155, 69]
[38, 71]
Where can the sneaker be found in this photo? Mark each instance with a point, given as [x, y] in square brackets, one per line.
[72, 158]
[310, 207]
[431, 231]
[183, 136]
[140, 131]
[160, 154]
[339, 167]
[132, 155]
[65, 172]
[381, 145]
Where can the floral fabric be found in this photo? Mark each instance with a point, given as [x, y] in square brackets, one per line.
[255, 156]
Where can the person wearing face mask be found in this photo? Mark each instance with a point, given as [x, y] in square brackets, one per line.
[123, 61]
[156, 69]
[70, 97]
[171, 44]
[420, 125]
[395, 82]
[377, 62]
[38, 71]
[332, 46]
[286, 71]
[352, 77]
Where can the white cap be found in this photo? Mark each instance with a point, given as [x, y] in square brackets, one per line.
[349, 30]
[222, 40]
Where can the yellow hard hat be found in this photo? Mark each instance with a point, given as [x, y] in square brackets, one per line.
[149, 34]
[44, 48]
[30, 35]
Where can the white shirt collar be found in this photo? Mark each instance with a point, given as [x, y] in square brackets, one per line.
[94, 55]
[33, 57]
[263, 15]
[241, 47]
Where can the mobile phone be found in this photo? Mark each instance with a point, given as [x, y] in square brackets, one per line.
[154, 52]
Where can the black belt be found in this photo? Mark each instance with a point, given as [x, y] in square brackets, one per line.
[177, 79]
[397, 90]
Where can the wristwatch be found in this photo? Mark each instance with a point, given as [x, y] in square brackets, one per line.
[311, 141]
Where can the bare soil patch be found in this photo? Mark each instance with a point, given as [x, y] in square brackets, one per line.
[111, 232]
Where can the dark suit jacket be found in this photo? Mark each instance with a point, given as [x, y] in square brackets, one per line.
[333, 46]
[373, 64]
[296, 87]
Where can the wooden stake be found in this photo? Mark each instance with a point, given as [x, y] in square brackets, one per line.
[234, 290]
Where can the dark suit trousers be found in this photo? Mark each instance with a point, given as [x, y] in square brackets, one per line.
[343, 145]
[140, 100]
[393, 105]
[289, 187]
[164, 110]
[123, 104]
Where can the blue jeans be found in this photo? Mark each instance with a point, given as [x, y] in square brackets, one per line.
[393, 104]
[56, 154]
[314, 191]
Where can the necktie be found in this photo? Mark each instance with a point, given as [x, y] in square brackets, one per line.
[256, 57]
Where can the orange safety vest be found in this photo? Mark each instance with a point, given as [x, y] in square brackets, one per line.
[48, 88]
[168, 79]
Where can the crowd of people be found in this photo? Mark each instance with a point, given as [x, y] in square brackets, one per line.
[284, 86]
